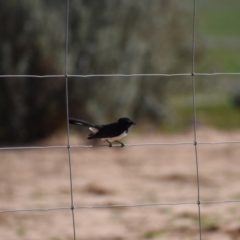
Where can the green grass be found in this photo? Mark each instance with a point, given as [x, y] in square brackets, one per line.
[37, 195]
[221, 59]
[221, 22]
[216, 4]
[218, 114]
[222, 116]
[21, 231]
[151, 234]
[210, 223]
[237, 196]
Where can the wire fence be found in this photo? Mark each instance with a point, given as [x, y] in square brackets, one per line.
[194, 142]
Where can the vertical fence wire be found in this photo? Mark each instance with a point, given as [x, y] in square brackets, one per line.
[195, 117]
[67, 117]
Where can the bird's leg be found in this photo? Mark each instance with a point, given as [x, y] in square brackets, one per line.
[122, 145]
[110, 144]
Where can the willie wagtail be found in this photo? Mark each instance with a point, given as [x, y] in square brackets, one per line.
[110, 132]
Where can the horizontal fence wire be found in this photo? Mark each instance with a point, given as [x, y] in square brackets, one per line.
[120, 75]
[148, 144]
[120, 206]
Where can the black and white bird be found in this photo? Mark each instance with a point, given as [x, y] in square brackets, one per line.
[109, 132]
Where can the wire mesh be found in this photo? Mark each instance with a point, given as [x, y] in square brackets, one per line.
[194, 142]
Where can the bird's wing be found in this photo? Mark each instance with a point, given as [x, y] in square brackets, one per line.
[107, 131]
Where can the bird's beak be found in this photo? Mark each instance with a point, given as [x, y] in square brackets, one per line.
[134, 123]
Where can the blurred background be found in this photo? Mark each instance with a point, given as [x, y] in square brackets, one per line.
[120, 37]
[117, 37]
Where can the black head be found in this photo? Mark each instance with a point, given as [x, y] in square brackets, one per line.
[126, 122]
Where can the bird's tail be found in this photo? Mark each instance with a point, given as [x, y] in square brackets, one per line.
[81, 122]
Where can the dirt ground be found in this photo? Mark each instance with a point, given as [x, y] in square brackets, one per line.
[103, 176]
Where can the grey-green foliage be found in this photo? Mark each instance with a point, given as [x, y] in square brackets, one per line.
[105, 37]
[127, 37]
[30, 108]
[31, 41]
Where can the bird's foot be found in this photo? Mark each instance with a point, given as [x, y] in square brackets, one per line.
[110, 144]
[122, 145]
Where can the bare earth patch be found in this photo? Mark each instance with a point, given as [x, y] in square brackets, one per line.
[103, 176]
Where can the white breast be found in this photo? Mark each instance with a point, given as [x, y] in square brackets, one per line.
[115, 138]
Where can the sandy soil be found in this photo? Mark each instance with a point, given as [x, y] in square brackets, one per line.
[102, 176]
